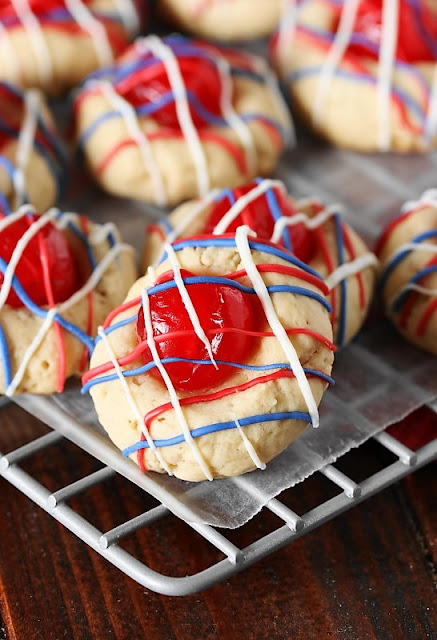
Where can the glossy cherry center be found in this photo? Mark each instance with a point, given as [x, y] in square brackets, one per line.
[46, 260]
[217, 306]
[150, 87]
[417, 31]
[258, 215]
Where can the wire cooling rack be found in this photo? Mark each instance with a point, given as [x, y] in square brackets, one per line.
[64, 426]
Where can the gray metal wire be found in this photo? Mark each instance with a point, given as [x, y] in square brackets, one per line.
[106, 543]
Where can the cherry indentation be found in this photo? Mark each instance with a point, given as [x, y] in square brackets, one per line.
[258, 216]
[202, 82]
[417, 27]
[49, 243]
[217, 306]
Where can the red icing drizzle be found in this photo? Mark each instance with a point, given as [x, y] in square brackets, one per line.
[216, 305]
[46, 270]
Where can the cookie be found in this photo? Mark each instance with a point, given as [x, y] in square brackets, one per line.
[316, 234]
[216, 361]
[175, 117]
[408, 281]
[226, 20]
[54, 44]
[32, 160]
[60, 275]
[361, 74]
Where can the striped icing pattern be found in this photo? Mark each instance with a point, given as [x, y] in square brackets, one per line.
[146, 55]
[32, 134]
[53, 316]
[290, 367]
[417, 111]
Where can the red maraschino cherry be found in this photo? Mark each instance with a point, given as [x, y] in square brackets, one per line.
[62, 268]
[257, 215]
[217, 306]
[148, 85]
[413, 41]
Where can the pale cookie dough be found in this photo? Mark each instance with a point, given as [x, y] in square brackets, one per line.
[54, 45]
[32, 159]
[144, 152]
[32, 351]
[246, 427]
[358, 100]
[408, 280]
[334, 249]
[226, 20]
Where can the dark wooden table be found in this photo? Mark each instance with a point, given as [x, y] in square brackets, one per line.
[370, 574]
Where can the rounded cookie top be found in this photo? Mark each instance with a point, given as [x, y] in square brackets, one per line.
[175, 117]
[362, 74]
[42, 38]
[216, 361]
[60, 275]
[408, 281]
[315, 233]
[226, 20]
[32, 159]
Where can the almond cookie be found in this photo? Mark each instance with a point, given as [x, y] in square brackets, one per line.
[32, 160]
[226, 20]
[314, 233]
[408, 282]
[217, 360]
[60, 275]
[363, 73]
[175, 117]
[54, 44]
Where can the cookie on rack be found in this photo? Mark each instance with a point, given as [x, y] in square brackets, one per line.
[217, 359]
[175, 117]
[408, 281]
[54, 44]
[60, 275]
[226, 20]
[32, 159]
[363, 74]
[316, 234]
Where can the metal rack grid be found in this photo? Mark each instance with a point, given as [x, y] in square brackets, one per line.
[64, 426]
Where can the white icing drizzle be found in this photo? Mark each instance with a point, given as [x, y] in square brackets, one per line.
[242, 243]
[235, 122]
[387, 58]
[20, 247]
[177, 85]
[170, 388]
[414, 246]
[190, 216]
[287, 31]
[8, 52]
[128, 12]
[348, 269]
[188, 304]
[10, 390]
[85, 19]
[25, 142]
[334, 57]
[428, 198]
[36, 38]
[413, 287]
[244, 201]
[131, 400]
[302, 218]
[139, 136]
[250, 448]
[261, 67]
[431, 118]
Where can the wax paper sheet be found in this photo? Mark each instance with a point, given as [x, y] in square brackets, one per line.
[380, 378]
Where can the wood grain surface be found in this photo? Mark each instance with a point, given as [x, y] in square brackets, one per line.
[369, 574]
